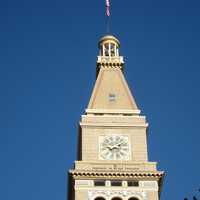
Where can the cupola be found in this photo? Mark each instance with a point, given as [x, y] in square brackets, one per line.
[109, 46]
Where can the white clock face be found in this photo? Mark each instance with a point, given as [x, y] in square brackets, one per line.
[114, 147]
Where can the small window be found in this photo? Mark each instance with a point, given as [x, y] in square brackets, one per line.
[112, 97]
[133, 183]
[99, 183]
[116, 183]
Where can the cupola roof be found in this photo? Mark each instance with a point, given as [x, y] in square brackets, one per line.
[109, 38]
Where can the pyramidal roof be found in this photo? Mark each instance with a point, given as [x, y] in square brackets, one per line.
[111, 93]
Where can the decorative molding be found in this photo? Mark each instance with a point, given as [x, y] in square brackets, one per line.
[115, 166]
[83, 183]
[109, 194]
[149, 185]
[109, 61]
[94, 174]
[117, 125]
[113, 111]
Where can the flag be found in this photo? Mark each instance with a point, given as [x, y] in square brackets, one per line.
[108, 8]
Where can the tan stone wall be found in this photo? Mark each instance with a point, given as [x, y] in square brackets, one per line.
[143, 192]
[81, 195]
[112, 165]
[137, 138]
[153, 195]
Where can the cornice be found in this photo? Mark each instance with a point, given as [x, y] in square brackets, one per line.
[113, 111]
[117, 125]
[93, 174]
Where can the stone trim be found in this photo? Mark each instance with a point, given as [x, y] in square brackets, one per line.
[110, 65]
[113, 111]
[90, 124]
[91, 174]
[123, 194]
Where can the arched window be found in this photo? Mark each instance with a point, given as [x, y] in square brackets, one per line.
[133, 198]
[116, 198]
[99, 198]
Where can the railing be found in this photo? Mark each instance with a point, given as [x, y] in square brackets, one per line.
[110, 59]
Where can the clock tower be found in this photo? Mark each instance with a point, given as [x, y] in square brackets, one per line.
[112, 151]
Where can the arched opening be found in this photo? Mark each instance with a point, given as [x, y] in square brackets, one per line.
[116, 198]
[99, 198]
[109, 49]
[109, 46]
[133, 198]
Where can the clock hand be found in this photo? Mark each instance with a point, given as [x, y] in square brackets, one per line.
[117, 145]
[110, 147]
[120, 143]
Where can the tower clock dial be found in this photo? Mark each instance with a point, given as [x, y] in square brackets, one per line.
[114, 147]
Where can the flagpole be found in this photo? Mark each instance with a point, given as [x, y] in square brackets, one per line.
[108, 16]
[108, 25]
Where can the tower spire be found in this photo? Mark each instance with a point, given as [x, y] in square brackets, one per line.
[111, 93]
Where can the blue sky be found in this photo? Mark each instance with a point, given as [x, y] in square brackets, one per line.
[48, 52]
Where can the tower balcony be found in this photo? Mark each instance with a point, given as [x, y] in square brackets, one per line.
[110, 60]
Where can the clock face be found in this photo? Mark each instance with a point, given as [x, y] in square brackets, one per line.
[114, 147]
